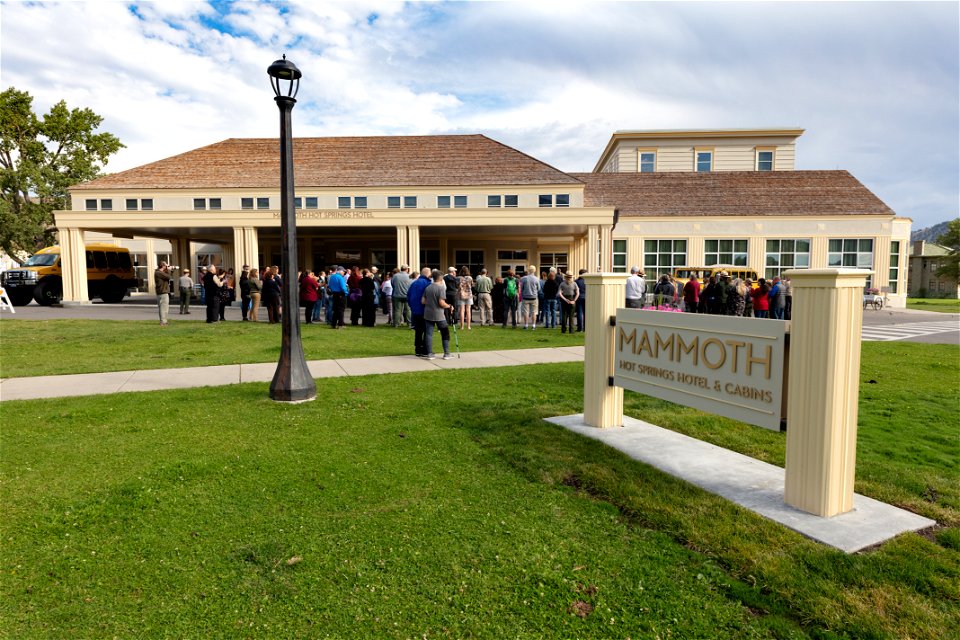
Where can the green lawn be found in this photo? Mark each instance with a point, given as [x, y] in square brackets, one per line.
[52, 347]
[943, 305]
[442, 505]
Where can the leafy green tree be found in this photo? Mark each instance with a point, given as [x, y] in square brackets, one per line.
[951, 239]
[40, 157]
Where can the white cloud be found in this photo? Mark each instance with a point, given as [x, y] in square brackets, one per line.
[872, 83]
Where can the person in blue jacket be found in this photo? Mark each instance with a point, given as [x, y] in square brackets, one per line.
[337, 286]
[415, 300]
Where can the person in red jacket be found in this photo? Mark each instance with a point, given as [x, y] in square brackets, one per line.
[761, 303]
[309, 294]
[691, 294]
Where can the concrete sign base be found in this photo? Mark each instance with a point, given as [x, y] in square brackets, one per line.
[752, 484]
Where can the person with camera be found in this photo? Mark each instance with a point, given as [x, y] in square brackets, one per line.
[161, 280]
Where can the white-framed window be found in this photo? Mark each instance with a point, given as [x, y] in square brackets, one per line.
[430, 258]
[199, 204]
[360, 202]
[311, 202]
[106, 204]
[786, 253]
[91, 204]
[216, 204]
[146, 204]
[263, 203]
[246, 203]
[731, 251]
[457, 202]
[502, 201]
[562, 200]
[893, 280]
[343, 202]
[409, 202]
[393, 202]
[132, 204]
[704, 160]
[512, 255]
[545, 199]
[852, 253]
[560, 260]
[472, 259]
[298, 202]
[646, 161]
[619, 256]
[351, 202]
[764, 160]
[661, 257]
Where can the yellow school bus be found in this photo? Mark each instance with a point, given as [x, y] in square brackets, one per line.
[110, 274]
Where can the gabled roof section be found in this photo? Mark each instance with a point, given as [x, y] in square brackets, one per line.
[732, 193]
[673, 134]
[401, 161]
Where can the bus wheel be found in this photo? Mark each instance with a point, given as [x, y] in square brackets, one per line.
[48, 292]
[113, 291]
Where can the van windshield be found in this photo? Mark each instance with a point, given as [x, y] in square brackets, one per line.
[42, 260]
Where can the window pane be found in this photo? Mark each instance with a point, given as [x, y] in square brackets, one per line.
[680, 258]
[802, 260]
[393, 202]
[773, 245]
[106, 205]
[509, 201]
[100, 259]
[297, 203]
[711, 245]
[849, 259]
[895, 246]
[866, 245]
[360, 202]
[246, 203]
[493, 201]
[545, 200]
[131, 204]
[343, 202]
[409, 202]
[146, 204]
[786, 260]
[849, 245]
[834, 260]
[263, 203]
[894, 260]
[91, 205]
[460, 202]
[199, 204]
[563, 199]
[619, 246]
[803, 246]
[665, 246]
[740, 245]
[311, 202]
[649, 246]
[726, 245]
[461, 257]
[773, 260]
[443, 202]
[865, 260]
[215, 204]
[835, 245]
[650, 260]
[112, 261]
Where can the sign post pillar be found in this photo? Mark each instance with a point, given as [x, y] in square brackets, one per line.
[602, 402]
[823, 389]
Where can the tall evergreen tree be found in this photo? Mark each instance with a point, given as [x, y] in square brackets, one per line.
[40, 157]
[951, 239]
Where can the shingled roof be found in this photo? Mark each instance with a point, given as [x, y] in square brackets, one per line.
[456, 160]
[732, 193]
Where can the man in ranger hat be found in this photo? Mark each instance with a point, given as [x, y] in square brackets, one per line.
[568, 295]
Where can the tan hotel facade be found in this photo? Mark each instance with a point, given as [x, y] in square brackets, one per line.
[660, 199]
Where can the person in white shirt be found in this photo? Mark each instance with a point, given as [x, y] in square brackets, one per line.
[636, 288]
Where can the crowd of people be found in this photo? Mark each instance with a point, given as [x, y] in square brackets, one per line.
[528, 300]
[717, 295]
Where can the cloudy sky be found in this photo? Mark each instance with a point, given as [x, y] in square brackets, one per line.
[874, 84]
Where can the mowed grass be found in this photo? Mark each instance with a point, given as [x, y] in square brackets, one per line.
[942, 305]
[54, 347]
[441, 505]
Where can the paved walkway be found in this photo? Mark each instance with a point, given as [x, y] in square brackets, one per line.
[85, 384]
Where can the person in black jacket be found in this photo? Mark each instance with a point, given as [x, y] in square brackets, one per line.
[211, 292]
[551, 286]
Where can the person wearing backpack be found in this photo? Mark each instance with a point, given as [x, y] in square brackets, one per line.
[511, 298]
[465, 297]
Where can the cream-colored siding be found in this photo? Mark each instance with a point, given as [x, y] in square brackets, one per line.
[678, 155]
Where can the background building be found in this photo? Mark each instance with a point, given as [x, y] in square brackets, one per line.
[925, 259]
[661, 199]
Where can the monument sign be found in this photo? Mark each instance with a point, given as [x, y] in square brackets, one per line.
[723, 365]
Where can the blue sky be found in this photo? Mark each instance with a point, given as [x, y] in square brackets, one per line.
[874, 84]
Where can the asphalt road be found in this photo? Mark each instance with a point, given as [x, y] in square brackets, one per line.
[143, 307]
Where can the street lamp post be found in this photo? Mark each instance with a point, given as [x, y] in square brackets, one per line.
[292, 381]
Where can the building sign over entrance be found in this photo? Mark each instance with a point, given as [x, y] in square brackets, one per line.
[331, 214]
[728, 366]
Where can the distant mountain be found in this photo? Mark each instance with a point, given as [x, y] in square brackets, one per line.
[930, 234]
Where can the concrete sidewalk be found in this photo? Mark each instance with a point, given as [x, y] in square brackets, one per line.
[85, 384]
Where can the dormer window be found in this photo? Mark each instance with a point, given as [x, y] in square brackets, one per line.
[704, 160]
[647, 161]
[764, 160]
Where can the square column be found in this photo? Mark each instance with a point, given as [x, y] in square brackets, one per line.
[73, 266]
[602, 402]
[413, 242]
[823, 389]
[402, 255]
[593, 238]
[606, 247]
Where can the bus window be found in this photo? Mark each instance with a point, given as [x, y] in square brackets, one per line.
[89, 260]
[125, 263]
[112, 261]
[100, 259]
